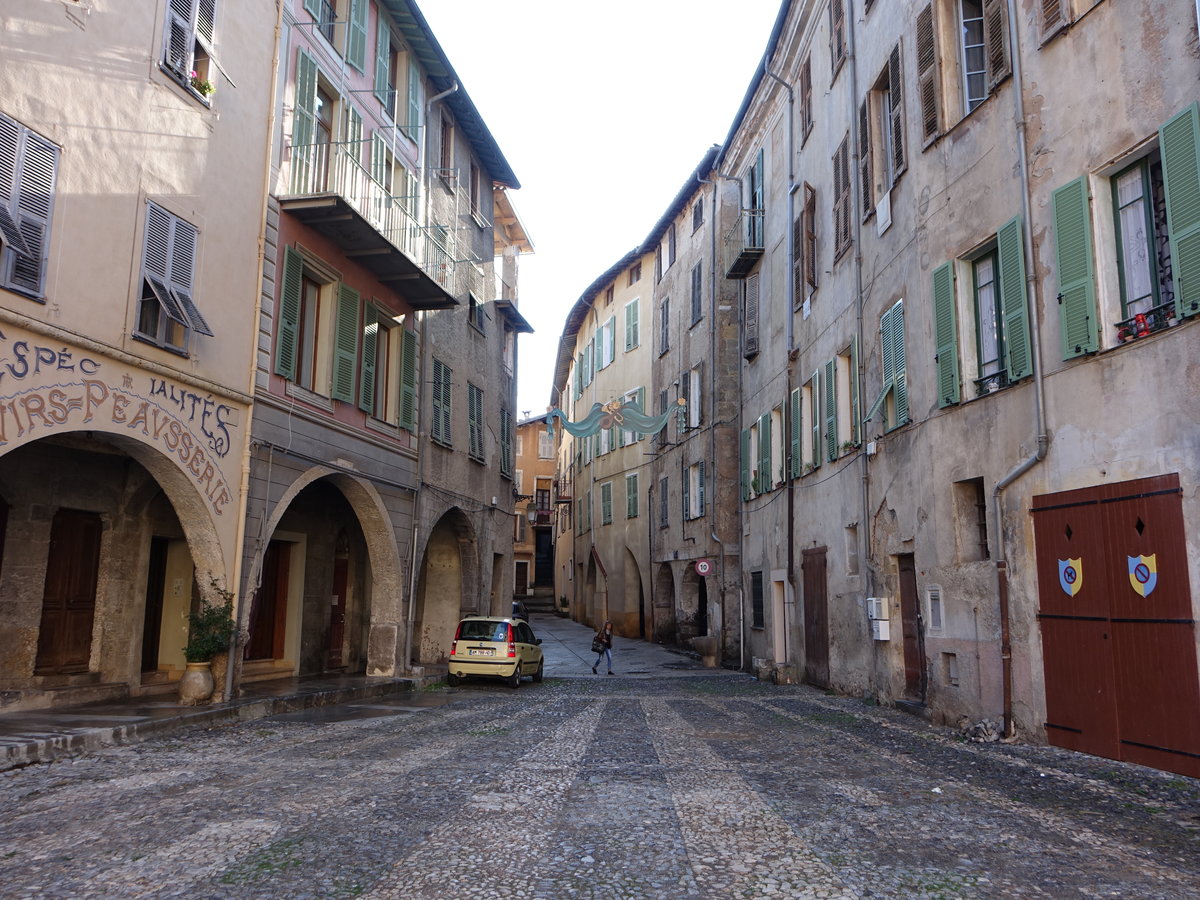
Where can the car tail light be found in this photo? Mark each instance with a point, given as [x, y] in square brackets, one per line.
[454, 643]
[512, 647]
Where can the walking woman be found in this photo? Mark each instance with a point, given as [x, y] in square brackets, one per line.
[602, 645]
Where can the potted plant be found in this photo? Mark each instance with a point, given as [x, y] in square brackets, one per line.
[201, 85]
[209, 630]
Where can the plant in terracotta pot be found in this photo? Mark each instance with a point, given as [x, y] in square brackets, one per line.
[209, 630]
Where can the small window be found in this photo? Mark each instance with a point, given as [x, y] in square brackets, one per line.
[970, 514]
[440, 400]
[697, 293]
[631, 495]
[851, 535]
[606, 503]
[757, 619]
[950, 662]
[632, 334]
[28, 171]
[664, 326]
[166, 312]
[475, 422]
[933, 601]
[188, 44]
[697, 215]
[693, 491]
[475, 316]
[663, 503]
[635, 273]
[671, 245]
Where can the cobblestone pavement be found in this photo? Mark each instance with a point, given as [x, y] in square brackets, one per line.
[708, 786]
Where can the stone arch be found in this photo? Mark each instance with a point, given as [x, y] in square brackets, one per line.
[695, 619]
[447, 564]
[664, 604]
[632, 612]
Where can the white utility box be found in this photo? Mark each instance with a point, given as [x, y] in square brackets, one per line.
[881, 630]
[878, 608]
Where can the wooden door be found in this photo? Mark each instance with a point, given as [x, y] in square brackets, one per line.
[156, 574]
[521, 577]
[816, 617]
[337, 612]
[910, 627]
[69, 593]
[268, 614]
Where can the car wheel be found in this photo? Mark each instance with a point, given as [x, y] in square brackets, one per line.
[537, 676]
[514, 680]
[453, 680]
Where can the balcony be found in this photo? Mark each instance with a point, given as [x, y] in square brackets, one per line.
[743, 244]
[332, 193]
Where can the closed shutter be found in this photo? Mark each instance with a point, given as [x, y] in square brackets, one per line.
[831, 410]
[901, 368]
[928, 75]
[700, 508]
[810, 236]
[475, 421]
[765, 481]
[383, 60]
[632, 338]
[28, 171]
[814, 436]
[896, 98]
[864, 159]
[303, 123]
[356, 40]
[159, 254]
[794, 444]
[945, 330]
[631, 496]
[179, 38]
[1179, 143]
[1010, 247]
[412, 124]
[345, 344]
[837, 33]
[408, 380]
[441, 402]
[289, 315]
[606, 503]
[1054, 17]
[995, 39]
[1073, 253]
[697, 293]
[370, 347]
[751, 315]
[686, 484]
[745, 464]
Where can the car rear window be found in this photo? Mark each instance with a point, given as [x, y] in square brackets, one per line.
[483, 631]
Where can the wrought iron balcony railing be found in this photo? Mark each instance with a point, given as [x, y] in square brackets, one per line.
[743, 243]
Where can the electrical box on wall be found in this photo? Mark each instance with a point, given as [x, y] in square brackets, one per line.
[878, 608]
[881, 630]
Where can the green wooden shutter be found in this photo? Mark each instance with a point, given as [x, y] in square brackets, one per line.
[686, 483]
[1073, 251]
[945, 329]
[900, 371]
[631, 325]
[766, 481]
[1010, 247]
[1179, 144]
[289, 315]
[745, 463]
[314, 8]
[831, 432]
[356, 40]
[345, 344]
[379, 157]
[408, 380]
[631, 496]
[303, 119]
[639, 398]
[383, 58]
[370, 346]
[413, 124]
[855, 400]
[701, 481]
[814, 436]
[795, 442]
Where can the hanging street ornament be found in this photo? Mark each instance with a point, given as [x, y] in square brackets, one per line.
[614, 414]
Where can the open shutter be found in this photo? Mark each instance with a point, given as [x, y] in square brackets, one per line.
[837, 33]
[896, 99]
[855, 401]
[685, 388]
[1054, 17]
[356, 39]
[370, 345]
[383, 60]
[1179, 143]
[303, 119]
[746, 464]
[945, 330]
[928, 75]
[289, 315]
[183, 267]
[206, 19]
[757, 202]
[30, 177]
[686, 484]
[830, 395]
[766, 480]
[345, 344]
[700, 502]
[900, 372]
[408, 379]
[814, 428]
[1073, 252]
[313, 7]
[639, 398]
[751, 315]
[179, 50]
[412, 123]
[995, 40]
[864, 159]
[810, 236]
[1010, 246]
[794, 444]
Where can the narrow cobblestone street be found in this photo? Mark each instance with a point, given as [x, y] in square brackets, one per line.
[702, 786]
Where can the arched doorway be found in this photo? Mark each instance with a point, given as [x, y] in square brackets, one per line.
[442, 597]
[693, 607]
[632, 605]
[664, 605]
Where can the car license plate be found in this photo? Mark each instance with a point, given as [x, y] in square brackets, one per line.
[481, 651]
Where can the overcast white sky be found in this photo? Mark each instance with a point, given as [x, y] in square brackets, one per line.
[602, 110]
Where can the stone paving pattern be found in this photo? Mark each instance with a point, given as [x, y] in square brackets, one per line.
[713, 786]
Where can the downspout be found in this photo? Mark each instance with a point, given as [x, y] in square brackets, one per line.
[790, 312]
[244, 488]
[1039, 392]
[650, 539]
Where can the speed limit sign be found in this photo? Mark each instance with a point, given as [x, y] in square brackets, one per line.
[703, 567]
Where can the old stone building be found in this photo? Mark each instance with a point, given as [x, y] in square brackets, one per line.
[534, 515]
[132, 180]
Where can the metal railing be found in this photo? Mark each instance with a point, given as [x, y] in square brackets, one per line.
[335, 168]
[1156, 318]
[743, 242]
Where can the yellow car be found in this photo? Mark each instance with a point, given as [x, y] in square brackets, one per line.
[495, 647]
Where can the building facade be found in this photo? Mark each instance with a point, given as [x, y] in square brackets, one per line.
[534, 516]
[129, 257]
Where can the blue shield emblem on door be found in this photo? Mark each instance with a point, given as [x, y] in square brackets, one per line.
[1070, 575]
[1143, 574]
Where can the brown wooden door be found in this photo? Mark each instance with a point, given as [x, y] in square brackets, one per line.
[69, 593]
[268, 614]
[816, 617]
[910, 627]
[1120, 653]
[337, 612]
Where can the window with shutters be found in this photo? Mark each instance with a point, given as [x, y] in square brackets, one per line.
[475, 422]
[606, 503]
[631, 495]
[810, 415]
[606, 343]
[635, 273]
[806, 100]
[837, 35]
[440, 397]
[846, 402]
[693, 393]
[664, 515]
[892, 403]
[697, 293]
[343, 23]
[750, 316]
[637, 399]
[757, 614]
[188, 45]
[697, 215]
[983, 49]
[167, 313]
[776, 459]
[671, 245]
[693, 491]
[633, 337]
[381, 381]
[841, 199]
[310, 303]
[664, 326]
[28, 171]
[475, 316]
[1143, 249]
[1055, 16]
[882, 157]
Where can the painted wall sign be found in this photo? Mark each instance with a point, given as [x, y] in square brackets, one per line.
[53, 389]
[1070, 575]
[1143, 573]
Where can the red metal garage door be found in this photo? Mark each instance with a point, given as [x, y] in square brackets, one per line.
[1118, 638]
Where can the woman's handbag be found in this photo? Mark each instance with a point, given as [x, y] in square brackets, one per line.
[597, 645]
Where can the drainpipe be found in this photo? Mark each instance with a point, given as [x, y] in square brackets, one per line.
[1039, 392]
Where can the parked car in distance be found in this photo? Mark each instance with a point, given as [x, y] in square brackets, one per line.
[494, 647]
[520, 610]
